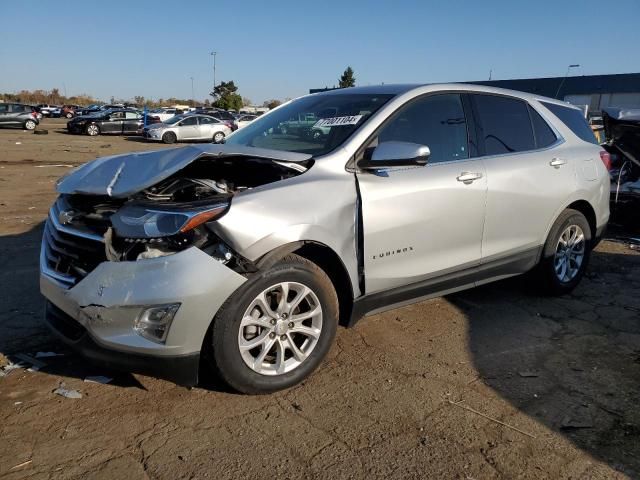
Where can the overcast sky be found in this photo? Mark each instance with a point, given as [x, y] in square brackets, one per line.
[281, 49]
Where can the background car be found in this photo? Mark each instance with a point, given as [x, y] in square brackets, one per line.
[46, 108]
[115, 122]
[244, 120]
[222, 115]
[188, 127]
[164, 113]
[69, 111]
[18, 115]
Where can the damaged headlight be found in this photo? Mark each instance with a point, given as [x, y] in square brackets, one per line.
[137, 221]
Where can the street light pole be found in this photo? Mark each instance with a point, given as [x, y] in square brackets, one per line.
[213, 54]
[192, 94]
[575, 65]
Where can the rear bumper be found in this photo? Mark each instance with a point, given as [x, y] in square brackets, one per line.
[180, 369]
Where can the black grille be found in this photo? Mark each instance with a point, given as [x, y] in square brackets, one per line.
[70, 252]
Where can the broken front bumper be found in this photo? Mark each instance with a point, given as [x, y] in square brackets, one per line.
[96, 316]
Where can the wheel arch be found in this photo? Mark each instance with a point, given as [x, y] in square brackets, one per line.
[328, 260]
[588, 211]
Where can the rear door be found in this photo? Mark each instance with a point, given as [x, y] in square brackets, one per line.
[528, 177]
[207, 127]
[132, 122]
[424, 222]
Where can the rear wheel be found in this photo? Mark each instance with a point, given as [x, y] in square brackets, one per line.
[218, 137]
[277, 328]
[169, 137]
[566, 253]
[29, 125]
[93, 130]
[69, 115]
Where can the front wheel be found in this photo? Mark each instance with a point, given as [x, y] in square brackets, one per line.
[276, 328]
[93, 130]
[566, 253]
[169, 137]
[218, 137]
[68, 115]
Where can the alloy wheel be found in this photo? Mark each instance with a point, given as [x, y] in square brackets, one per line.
[569, 254]
[280, 328]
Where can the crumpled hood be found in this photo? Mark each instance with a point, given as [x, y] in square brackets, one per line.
[120, 176]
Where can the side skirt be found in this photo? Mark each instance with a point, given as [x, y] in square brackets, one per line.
[444, 284]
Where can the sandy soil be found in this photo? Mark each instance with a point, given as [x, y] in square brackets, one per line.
[490, 383]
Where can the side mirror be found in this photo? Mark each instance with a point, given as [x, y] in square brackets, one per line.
[395, 154]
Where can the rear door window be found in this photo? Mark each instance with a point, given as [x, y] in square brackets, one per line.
[437, 121]
[541, 129]
[574, 119]
[504, 124]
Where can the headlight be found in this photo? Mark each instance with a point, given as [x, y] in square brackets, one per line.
[134, 221]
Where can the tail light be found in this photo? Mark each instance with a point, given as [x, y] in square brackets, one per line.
[606, 159]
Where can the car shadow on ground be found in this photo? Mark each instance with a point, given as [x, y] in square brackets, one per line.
[571, 363]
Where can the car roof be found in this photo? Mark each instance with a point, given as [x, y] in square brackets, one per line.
[399, 89]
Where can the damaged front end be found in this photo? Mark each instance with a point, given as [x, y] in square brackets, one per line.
[622, 132]
[121, 263]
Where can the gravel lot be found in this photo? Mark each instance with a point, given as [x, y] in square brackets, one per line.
[494, 382]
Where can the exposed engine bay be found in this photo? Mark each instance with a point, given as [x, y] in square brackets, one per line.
[164, 218]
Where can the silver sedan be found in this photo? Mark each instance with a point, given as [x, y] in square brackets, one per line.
[187, 128]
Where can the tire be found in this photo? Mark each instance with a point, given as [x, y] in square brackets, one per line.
[69, 115]
[218, 137]
[553, 278]
[92, 130]
[169, 137]
[30, 125]
[230, 328]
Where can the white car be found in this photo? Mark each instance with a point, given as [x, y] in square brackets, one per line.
[244, 120]
[165, 113]
[187, 128]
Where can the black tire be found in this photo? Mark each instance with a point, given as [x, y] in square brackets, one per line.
[549, 281]
[227, 359]
[92, 130]
[30, 125]
[169, 137]
[218, 137]
[69, 115]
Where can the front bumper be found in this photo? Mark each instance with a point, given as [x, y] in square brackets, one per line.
[96, 315]
[180, 369]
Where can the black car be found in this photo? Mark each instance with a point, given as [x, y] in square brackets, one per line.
[116, 122]
[18, 115]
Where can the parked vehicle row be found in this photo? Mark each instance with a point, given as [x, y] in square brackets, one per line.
[249, 254]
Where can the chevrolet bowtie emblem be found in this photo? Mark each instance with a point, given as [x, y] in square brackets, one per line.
[65, 217]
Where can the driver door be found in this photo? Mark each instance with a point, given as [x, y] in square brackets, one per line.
[424, 222]
[189, 128]
[114, 123]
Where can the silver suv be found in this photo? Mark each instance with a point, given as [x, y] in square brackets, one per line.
[249, 254]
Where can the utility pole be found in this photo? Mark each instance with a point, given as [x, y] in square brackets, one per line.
[192, 94]
[575, 65]
[213, 54]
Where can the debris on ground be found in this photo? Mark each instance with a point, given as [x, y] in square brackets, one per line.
[48, 354]
[54, 165]
[528, 374]
[35, 364]
[98, 379]
[576, 421]
[469, 409]
[20, 465]
[67, 392]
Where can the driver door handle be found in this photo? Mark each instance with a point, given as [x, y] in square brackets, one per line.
[468, 177]
[556, 162]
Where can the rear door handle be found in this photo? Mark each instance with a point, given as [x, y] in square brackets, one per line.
[468, 177]
[556, 162]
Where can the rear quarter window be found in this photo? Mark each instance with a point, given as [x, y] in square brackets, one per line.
[574, 119]
[541, 129]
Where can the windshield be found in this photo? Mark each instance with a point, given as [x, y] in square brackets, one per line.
[173, 120]
[316, 124]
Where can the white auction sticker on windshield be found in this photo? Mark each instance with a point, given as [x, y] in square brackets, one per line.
[337, 121]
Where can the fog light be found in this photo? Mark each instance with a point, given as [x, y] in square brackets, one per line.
[153, 323]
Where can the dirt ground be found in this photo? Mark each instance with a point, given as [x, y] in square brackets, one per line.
[495, 382]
